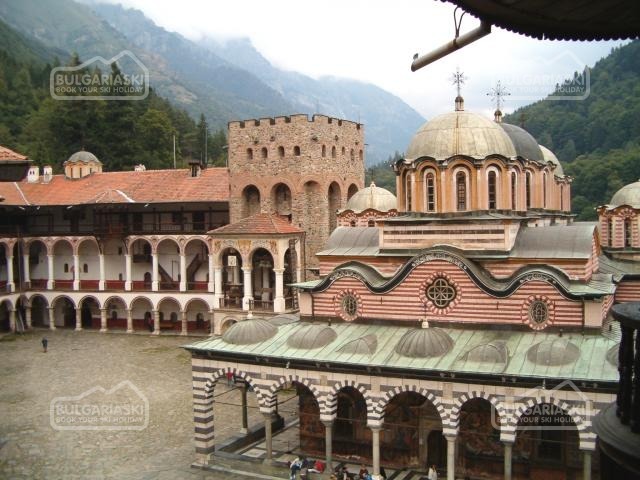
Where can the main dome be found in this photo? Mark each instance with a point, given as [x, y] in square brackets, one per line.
[460, 133]
[627, 195]
[373, 197]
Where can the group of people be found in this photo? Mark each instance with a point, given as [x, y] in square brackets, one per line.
[342, 473]
[305, 466]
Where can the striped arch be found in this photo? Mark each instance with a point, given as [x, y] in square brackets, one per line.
[222, 373]
[390, 394]
[454, 415]
[273, 389]
[329, 405]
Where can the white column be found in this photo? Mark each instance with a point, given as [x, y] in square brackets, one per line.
[11, 287]
[103, 320]
[25, 267]
[50, 279]
[183, 272]
[278, 301]
[212, 323]
[298, 275]
[586, 464]
[375, 436]
[12, 320]
[52, 318]
[328, 442]
[265, 284]
[127, 267]
[217, 278]
[211, 283]
[156, 323]
[154, 275]
[78, 319]
[102, 282]
[508, 452]
[129, 321]
[27, 314]
[76, 272]
[451, 457]
[248, 288]
[183, 315]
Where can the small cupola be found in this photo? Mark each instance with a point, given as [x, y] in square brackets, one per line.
[81, 164]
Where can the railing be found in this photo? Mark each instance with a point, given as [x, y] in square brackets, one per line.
[114, 284]
[197, 286]
[140, 285]
[89, 284]
[170, 286]
[63, 284]
[38, 283]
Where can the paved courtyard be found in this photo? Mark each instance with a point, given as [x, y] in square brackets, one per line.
[78, 361]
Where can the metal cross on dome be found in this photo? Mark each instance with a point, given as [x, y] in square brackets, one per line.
[497, 95]
[458, 79]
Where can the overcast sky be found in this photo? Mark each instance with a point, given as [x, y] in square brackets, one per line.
[375, 40]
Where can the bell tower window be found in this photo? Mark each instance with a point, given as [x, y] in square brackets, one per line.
[461, 191]
[628, 233]
[431, 192]
[491, 187]
[528, 189]
[513, 191]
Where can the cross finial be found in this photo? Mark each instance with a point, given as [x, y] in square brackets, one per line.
[497, 95]
[458, 79]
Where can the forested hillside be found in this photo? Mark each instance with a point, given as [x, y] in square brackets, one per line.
[120, 133]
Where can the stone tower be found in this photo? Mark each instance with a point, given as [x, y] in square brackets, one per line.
[299, 168]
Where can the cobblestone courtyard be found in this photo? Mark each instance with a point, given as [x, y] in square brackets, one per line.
[78, 361]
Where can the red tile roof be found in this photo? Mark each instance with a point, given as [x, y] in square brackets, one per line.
[7, 155]
[150, 186]
[259, 224]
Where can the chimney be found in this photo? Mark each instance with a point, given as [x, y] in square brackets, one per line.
[139, 168]
[195, 167]
[47, 174]
[33, 174]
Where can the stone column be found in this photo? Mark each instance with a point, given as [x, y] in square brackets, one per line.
[154, 274]
[78, 318]
[127, 270]
[279, 301]
[508, 451]
[328, 444]
[245, 413]
[265, 283]
[586, 465]
[27, 314]
[129, 321]
[248, 288]
[12, 320]
[52, 318]
[375, 440]
[268, 436]
[25, 268]
[183, 272]
[76, 272]
[50, 271]
[102, 283]
[451, 457]
[218, 294]
[103, 320]
[211, 283]
[212, 323]
[11, 287]
[156, 322]
[183, 318]
[298, 275]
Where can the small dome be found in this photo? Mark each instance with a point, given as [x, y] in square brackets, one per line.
[460, 133]
[525, 145]
[627, 195]
[373, 197]
[554, 352]
[249, 331]
[492, 352]
[366, 345]
[424, 342]
[612, 355]
[312, 336]
[549, 156]
[84, 157]
[284, 319]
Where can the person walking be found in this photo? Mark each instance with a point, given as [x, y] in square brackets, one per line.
[45, 342]
[433, 473]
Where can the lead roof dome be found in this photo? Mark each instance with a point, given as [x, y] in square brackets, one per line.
[627, 195]
[374, 197]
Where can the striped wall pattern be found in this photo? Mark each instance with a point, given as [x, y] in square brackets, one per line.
[387, 266]
[509, 401]
[576, 270]
[628, 291]
[404, 302]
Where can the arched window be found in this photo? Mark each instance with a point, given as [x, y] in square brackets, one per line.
[324, 151]
[544, 190]
[333, 152]
[281, 151]
[360, 155]
[265, 152]
[430, 185]
[461, 191]
[492, 190]
[513, 191]
[628, 233]
[610, 232]
[407, 188]
[296, 151]
[249, 154]
[85, 268]
[527, 187]
[343, 151]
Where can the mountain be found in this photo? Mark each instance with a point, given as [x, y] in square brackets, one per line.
[597, 139]
[389, 122]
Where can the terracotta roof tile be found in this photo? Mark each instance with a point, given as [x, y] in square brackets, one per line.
[261, 224]
[150, 186]
[7, 155]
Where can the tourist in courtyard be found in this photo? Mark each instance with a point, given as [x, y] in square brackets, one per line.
[45, 342]
[433, 473]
